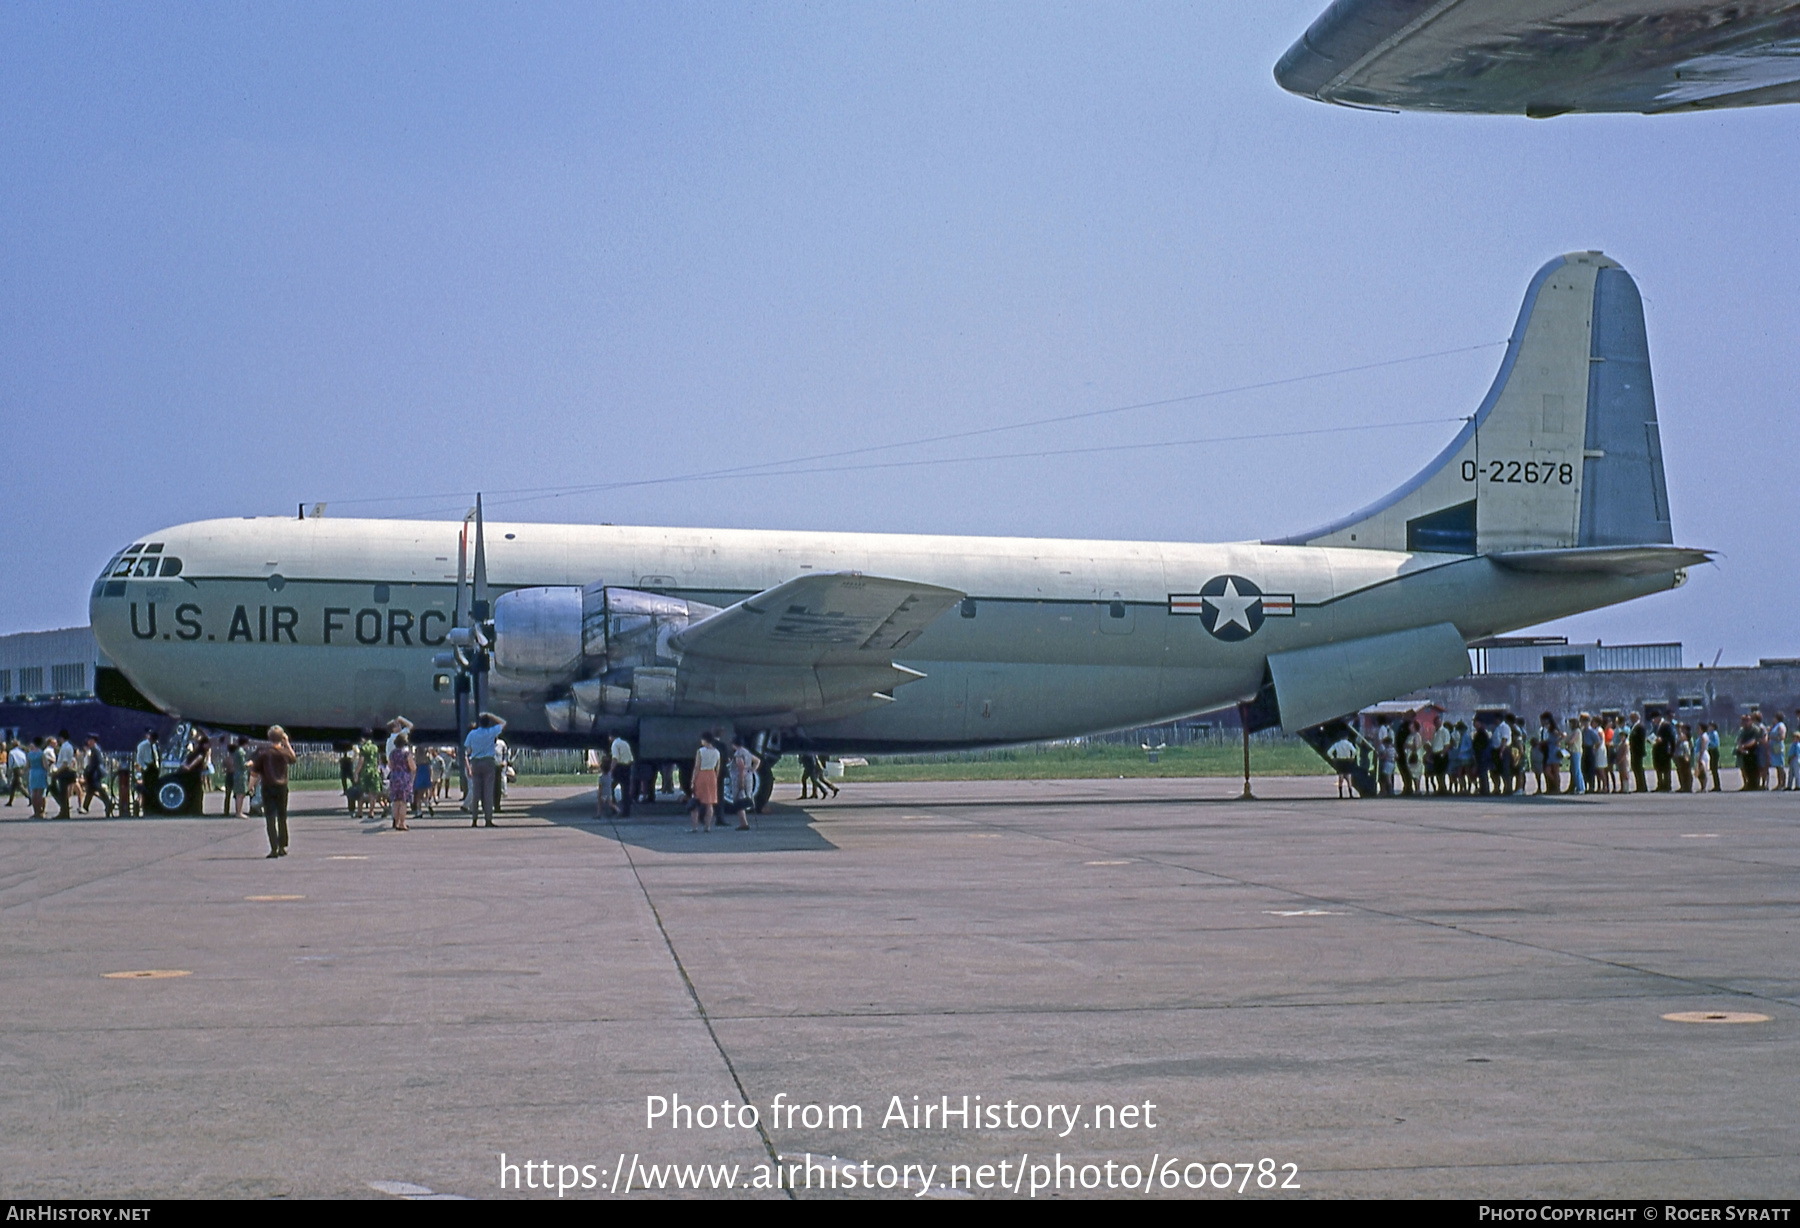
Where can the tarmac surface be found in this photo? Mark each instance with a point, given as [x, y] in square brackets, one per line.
[1396, 998]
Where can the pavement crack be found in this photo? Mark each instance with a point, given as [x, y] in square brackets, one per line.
[699, 1005]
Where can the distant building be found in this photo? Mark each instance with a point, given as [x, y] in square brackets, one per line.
[47, 681]
[1547, 654]
[37, 665]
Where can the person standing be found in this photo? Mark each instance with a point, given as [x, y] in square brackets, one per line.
[233, 775]
[623, 760]
[93, 776]
[399, 725]
[68, 772]
[38, 764]
[271, 765]
[368, 773]
[347, 775]
[1683, 754]
[1746, 754]
[740, 784]
[1500, 748]
[425, 783]
[446, 768]
[480, 750]
[1638, 739]
[15, 771]
[1438, 766]
[195, 765]
[1662, 754]
[604, 807]
[704, 786]
[1592, 768]
[403, 773]
[1553, 753]
[240, 768]
[1403, 755]
[149, 766]
[821, 781]
[1342, 754]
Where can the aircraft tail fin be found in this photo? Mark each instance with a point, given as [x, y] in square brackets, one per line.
[1564, 450]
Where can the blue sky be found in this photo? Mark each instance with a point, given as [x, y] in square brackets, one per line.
[252, 255]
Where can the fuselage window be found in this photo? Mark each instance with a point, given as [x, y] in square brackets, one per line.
[381, 594]
[968, 607]
[1117, 609]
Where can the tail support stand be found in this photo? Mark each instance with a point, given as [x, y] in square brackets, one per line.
[1244, 720]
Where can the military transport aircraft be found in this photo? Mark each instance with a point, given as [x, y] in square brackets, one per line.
[1549, 57]
[1549, 502]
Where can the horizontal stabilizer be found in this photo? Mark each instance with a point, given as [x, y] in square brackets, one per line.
[1603, 560]
[1318, 684]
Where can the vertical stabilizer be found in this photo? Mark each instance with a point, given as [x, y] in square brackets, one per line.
[1562, 452]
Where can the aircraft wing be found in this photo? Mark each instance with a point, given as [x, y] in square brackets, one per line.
[1548, 57]
[837, 618]
[817, 645]
[1607, 560]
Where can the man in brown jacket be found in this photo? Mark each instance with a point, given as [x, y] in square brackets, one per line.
[270, 765]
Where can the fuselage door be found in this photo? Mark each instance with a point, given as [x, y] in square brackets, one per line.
[1117, 617]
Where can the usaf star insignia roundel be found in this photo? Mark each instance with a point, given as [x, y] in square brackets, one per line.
[1232, 608]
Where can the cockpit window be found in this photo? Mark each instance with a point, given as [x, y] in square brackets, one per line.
[135, 548]
[146, 566]
[124, 566]
[171, 566]
[153, 548]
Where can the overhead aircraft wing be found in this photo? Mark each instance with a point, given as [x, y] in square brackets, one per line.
[836, 618]
[1548, 57]
[1605, 560]
[817, 645]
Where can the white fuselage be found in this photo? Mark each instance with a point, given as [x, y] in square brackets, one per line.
[333, 625]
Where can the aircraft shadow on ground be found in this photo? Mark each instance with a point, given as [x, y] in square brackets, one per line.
[664, 827]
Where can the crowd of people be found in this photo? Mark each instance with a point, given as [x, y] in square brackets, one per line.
[1499, 755]
[59, 769]
[395, 781]
[723, 781]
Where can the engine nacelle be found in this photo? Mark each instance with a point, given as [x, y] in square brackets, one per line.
[542, 631]
[608, 646]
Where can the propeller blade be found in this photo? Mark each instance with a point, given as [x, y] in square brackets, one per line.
[480, 607]
[462, 574]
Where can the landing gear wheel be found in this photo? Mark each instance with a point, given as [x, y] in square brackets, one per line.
[171, 796]
[765, 785]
